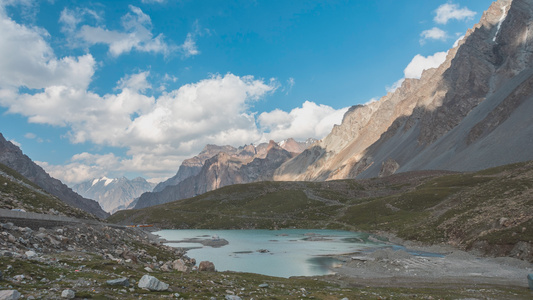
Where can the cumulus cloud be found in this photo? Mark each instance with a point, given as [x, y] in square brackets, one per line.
[27, 60]
[420, 63]
[433, 34]
[82, 167]
[450, 11]
[135, 82]
[310, 120]
[156, 132]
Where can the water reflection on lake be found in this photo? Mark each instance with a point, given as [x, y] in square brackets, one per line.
[281, 253]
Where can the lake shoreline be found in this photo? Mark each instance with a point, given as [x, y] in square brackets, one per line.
[388, 267]
[452, 267]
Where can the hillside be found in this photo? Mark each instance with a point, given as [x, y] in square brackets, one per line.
[17, 192]
[12, 157]
[489, 210]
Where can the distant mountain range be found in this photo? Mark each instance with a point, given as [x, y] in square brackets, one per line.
[218, 166]
[113, 194]
[12, 157]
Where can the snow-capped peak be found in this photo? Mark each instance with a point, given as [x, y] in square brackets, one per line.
[107, 180]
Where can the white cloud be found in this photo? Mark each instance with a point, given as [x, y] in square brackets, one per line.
[135, 82]
[27, 60]
[434, 34]
[157, 132]
[136, 35]
[70, 19]
[30, 135]
[420, 63]
[189, 47]
[82, 167]
[310, 120]
[449, 11]
[290, 84]
[395, 86]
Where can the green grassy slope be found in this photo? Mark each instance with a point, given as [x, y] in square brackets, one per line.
[17, 192]
[490, 210]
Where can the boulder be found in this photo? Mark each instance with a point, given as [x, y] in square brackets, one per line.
[9, 295]
[30, 254]
[151, 283]
[206, 266]
[166, 267]
[232, 297]
[120, 281]
[68, 294]
[179, 265]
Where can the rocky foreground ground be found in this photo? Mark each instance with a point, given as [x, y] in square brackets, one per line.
[102, 262]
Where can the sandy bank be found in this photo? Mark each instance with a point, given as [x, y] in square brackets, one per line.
[387, 267]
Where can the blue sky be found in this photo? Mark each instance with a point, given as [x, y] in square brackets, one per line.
[114, 88]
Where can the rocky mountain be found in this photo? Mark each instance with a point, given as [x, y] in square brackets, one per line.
[113, 194]
[218, 166]
[472, 112]
[12, 157]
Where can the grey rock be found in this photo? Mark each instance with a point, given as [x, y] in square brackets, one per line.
[9, 295]
[151, 283]
[120, 282]
[30, 254]
[263, 285]
[68, 294]
[232, 297]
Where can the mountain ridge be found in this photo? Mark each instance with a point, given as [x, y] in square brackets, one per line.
[12, 157]
[218, 166]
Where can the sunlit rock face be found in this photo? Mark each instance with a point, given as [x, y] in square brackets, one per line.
[470, 113]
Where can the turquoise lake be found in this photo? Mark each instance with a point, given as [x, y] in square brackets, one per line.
[289, 252]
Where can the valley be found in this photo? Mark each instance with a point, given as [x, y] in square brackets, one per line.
[437, 175]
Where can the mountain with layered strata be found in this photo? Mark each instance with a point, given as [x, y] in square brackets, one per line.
[113, 194]
[472, 112]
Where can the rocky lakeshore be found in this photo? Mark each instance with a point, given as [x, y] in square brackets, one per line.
[101, 262]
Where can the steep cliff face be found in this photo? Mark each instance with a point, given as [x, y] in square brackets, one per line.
[470, 113]
[225, 167]
[12, 156]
